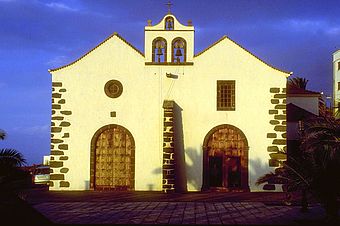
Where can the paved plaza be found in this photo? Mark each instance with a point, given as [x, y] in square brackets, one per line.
[92, 207]
[204, 213]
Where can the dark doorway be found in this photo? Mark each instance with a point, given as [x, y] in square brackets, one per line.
[215, 170]
[233, 166]
[225, 159]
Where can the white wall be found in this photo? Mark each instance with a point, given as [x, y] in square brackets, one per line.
[139, 108]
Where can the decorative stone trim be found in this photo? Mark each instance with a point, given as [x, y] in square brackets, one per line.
[56, 164]
[59, 135]
[63, 158]
[55, 129]
[66, 135]
[271, 135]
[271, 112]
[168, 148]
[64, 170]
[65, 124]
[63, 147]
[57, 177]
[66, 112]
[64, 184]
[57, 153]
[56, 84]
[278, 123]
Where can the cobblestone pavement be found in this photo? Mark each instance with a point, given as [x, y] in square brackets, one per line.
[242, 213]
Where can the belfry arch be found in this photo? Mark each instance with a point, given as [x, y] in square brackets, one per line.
[225, 159]
[112, 160]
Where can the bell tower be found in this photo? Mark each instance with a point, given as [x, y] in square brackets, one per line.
[169, 42]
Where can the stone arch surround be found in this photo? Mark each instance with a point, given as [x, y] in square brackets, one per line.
[233, 139]
[93, 151]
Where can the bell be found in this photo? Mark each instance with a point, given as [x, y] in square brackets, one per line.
[169, 25]
[159, 52]
[178, 52]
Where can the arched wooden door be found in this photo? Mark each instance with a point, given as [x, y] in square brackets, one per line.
[112, 159]
[225, 159]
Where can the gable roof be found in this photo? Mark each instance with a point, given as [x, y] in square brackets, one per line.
[295, 113]
[225, 37]
[297, 91]
[114, 34]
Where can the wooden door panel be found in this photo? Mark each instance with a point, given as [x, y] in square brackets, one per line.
[114, 166]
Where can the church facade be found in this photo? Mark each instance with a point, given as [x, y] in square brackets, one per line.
[167, 119]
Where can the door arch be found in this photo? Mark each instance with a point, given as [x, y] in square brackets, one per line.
[225, 159]
[112, 161]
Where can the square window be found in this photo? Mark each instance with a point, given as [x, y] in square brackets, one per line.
[338, 85]
[338, 66]
[226, 95]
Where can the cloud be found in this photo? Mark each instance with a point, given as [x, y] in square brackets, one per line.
[60, 6]
[311, 26]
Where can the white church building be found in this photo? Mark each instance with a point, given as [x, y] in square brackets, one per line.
[166, 119]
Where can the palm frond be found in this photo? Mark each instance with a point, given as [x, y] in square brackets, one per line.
[298, 82]
[265, 178]
[11, 158]
[2, 134]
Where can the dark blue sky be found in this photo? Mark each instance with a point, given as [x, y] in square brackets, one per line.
[36, 35]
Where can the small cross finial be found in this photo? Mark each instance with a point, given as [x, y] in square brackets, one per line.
[169, 4]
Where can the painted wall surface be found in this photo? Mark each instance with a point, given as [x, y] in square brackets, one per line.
[310, 104]
[139, 108]
[336, 79]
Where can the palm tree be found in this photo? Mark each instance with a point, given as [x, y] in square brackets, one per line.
[294, 175]
[321, 146]
[11, 177]
[298, 82]
[2, 134]
[316, 170]
[9, 159]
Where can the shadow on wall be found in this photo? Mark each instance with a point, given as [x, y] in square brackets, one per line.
[180, 169]
[258, 168]
[194, 168]
[186, 170]
[87, 185]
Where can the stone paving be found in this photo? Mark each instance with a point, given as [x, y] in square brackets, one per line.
[242, 213]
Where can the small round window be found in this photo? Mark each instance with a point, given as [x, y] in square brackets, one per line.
[113, 88]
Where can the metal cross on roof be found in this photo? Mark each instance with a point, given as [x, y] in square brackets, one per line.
[169, 4]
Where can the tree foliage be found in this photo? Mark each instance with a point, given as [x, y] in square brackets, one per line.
[298, 82]
[12, 178]
[316, 169]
